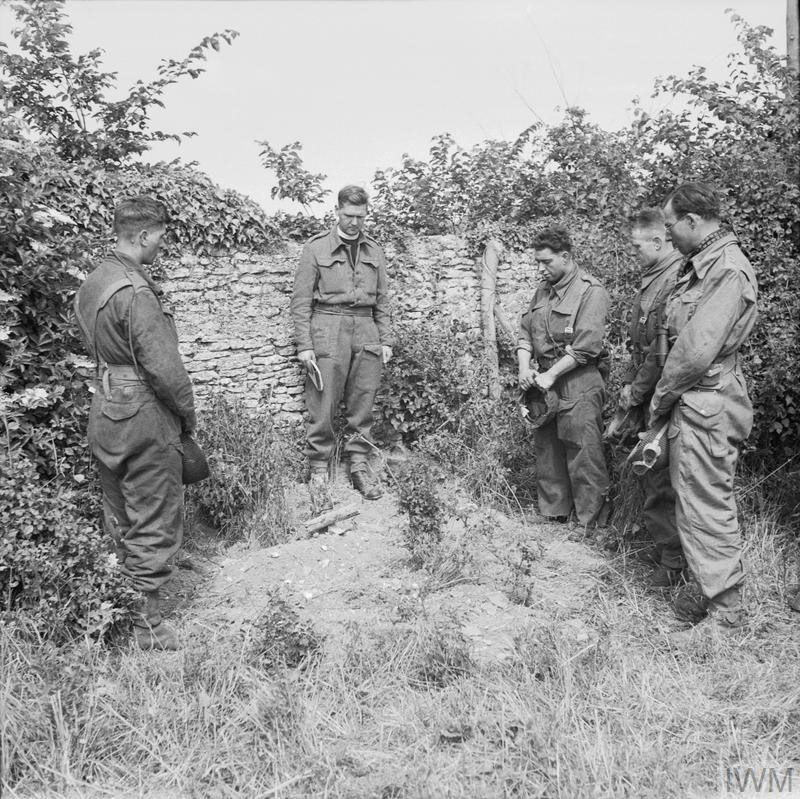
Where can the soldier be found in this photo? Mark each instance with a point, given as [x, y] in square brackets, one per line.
[142, 402]
[703, 392]
[559, 346]
[340, 309]
[659, 262]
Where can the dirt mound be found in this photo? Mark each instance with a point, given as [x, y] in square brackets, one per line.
[363, 575]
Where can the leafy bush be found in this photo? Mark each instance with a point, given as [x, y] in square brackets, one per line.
[248, 461]
[281, 639]
[55, 565]
[419, 498]
[428, 380]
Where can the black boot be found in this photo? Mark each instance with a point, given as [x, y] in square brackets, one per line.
[365, 484]
[149, 629]
[319, 492]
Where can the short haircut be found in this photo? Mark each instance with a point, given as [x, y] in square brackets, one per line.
[352, 195]
[648, 218]
[139, 213]
[553, 238]
[695, 198]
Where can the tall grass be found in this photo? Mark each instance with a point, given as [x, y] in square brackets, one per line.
[604, 709]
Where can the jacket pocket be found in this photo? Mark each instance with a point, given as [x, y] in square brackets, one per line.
[329, 261]
[702, 412]
[119, 411]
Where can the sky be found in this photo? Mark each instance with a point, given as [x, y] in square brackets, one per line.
[361, 82]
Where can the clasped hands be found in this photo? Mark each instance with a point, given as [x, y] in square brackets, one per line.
[529, 377]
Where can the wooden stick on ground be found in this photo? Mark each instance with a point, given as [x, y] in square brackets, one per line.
[331, 516]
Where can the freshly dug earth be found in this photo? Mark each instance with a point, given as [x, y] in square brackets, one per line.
[361, 574]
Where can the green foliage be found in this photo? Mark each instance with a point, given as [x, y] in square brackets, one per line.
[63, 96]
[54, 564]
[295, 182]
[248, 461]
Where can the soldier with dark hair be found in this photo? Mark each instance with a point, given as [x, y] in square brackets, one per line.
[702, 392]
[560, 345]
[659, 262]
[340, 309]
[142, 403]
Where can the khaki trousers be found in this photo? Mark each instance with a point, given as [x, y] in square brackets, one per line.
[349, 357]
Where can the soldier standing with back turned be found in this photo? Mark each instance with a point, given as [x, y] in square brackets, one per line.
[142, 403]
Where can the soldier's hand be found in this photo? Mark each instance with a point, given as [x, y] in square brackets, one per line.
[545, 380]
[526, 377]
[304, 356]
[387, 354]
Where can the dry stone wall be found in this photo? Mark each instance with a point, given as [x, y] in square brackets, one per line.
[233, 318]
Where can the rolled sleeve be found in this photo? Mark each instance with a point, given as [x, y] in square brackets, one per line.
[590, 325]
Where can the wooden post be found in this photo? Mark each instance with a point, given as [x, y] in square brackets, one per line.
[489, 264]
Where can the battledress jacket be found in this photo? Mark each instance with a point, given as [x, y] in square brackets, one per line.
[122, 318]
[326, 275]
[710, 315]
[567, 318]
[657, 284]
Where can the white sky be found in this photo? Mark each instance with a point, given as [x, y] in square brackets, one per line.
[361, 82]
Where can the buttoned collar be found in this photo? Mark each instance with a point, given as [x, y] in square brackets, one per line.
[701, 261]
[561, 288]
[662, 265]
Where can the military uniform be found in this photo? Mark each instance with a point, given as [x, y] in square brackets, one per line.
[710, 316]
[340, 310]
[569, 318]
[642, 375]
[142, 403]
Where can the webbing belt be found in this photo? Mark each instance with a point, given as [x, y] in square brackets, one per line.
[347, 310]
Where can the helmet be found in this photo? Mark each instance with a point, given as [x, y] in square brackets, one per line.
[538, 406]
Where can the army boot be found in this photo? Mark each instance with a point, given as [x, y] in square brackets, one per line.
[365, 483]
[667, 577]
[149, 629]
[689, 604]
[319, 493]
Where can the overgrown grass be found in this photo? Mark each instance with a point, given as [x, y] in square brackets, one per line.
[406, 711]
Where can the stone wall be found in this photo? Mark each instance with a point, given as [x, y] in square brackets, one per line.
[233, 312]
